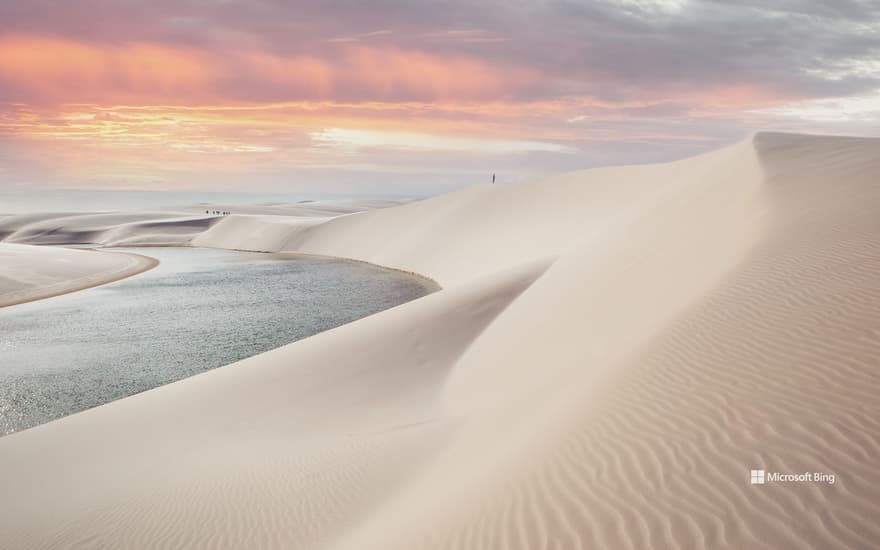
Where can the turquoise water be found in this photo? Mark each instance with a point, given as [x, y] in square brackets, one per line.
[200, 309]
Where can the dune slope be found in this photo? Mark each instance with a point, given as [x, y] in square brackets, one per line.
[30, 273]
[612, 352]
[644, 435]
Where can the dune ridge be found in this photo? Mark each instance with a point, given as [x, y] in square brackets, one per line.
[612, 352]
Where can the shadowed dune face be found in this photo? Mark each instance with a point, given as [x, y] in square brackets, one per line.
[77, 228]
[698, 319]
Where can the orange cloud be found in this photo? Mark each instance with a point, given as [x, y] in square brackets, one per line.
[54, 70]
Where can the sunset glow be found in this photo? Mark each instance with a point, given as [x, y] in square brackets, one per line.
[173, 95]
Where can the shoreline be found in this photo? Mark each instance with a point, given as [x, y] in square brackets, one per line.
[150, 263]
[292, 253]
[141, 264]
[415, 274]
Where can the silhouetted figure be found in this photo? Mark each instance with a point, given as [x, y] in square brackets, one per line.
[493, 178]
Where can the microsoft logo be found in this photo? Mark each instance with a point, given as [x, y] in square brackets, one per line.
[761, 477]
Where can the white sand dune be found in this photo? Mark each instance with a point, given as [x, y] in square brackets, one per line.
[176, 227]
[11, 223]
[310, 209]
[30, 273]
[612, 352]
[76, 228]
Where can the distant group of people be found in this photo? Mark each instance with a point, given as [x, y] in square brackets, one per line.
[218, 212]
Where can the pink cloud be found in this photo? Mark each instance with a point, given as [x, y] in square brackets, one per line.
[54, 70]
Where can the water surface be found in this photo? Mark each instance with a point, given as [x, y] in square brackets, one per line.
[198, 310]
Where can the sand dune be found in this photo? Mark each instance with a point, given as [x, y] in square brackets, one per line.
[309, 209]
[30, 273]
[11, 223]
[612, 352]
[176, 227]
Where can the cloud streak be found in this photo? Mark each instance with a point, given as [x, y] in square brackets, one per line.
[38, 69]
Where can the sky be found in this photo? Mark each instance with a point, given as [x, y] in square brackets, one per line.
[412, 97]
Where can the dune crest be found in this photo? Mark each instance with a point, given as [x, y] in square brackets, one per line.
[612, 353]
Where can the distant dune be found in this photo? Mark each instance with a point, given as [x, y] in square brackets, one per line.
[612, 353]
